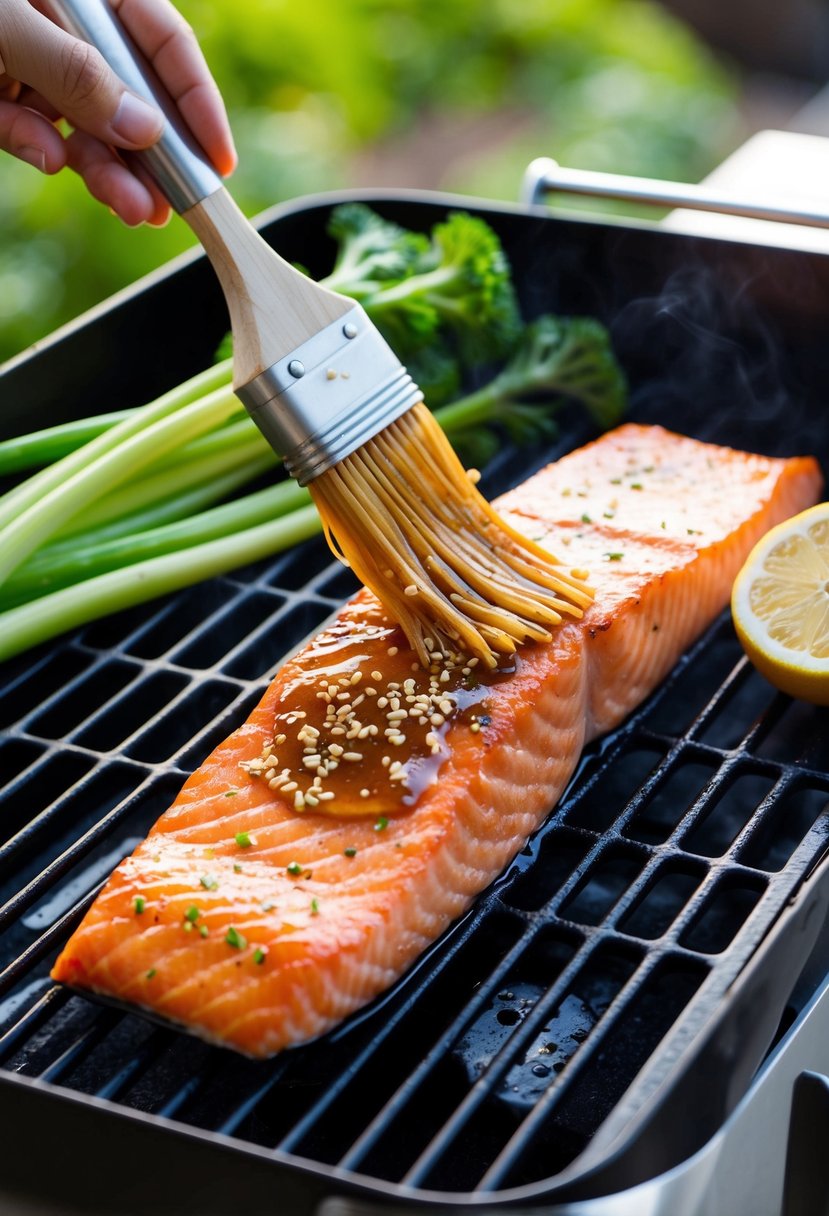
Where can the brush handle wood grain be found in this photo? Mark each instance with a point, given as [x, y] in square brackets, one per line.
[273, 307]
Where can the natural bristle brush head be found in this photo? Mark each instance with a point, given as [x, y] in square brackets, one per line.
[403, 513]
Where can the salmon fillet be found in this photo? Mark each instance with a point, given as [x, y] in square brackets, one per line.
[258, 922]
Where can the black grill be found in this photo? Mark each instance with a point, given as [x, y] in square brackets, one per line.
[597, 975]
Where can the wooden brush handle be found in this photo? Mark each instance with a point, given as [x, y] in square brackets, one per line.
[273, 308]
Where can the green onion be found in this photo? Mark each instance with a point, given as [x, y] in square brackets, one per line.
[294, 868]
[139, 903]
[203, 930]
[30, 624]
[235, 939]
[259, 955]
[315, 907]
[192, 913]
[29, 515]
[350, 851]
[381, 824]
[209, 882]
[152, 971]
[243, 840]
[53, 442]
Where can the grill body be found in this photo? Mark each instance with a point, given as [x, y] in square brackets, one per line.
[589, 1035]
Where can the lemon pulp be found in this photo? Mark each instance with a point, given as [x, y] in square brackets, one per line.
[780, 605]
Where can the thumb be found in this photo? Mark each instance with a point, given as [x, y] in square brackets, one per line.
[76, 80]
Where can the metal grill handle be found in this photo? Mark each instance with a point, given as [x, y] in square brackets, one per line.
[545, 177]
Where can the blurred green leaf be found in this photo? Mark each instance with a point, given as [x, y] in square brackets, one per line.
[319, 93]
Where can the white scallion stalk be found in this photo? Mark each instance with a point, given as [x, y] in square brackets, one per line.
[125, 455]
[45, 618]
[33, 488]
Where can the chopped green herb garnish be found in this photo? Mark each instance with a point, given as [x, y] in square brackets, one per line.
[381, 824]
[315, 908]
[139, 903]
[259, 955]
[209, 882]
[609, 514]
[187, 926]
[243, 840]
[615, 481]
[235, 939]
[293, 867]
[152, 971]
[662, 525]
[192, 913]
[636, 485]
[350, 851]
[614, 557]
[203, 930]
[231, 793]
[585, 519]
[237, 869]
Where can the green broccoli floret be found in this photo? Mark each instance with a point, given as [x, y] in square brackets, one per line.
[462, 290]
[557, 359]
[371, 251]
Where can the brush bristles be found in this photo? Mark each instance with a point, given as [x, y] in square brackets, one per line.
[402, 512]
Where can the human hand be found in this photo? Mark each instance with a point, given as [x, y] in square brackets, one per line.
[46, 74]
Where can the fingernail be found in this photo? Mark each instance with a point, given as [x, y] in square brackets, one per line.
[136, 121]
[33, 156]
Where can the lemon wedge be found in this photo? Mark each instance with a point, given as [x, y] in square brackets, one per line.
[780, 605]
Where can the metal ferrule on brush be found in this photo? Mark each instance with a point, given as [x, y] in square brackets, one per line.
[330, 396]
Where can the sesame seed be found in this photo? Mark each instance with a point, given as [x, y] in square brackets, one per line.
[392, 651]
[356, 677]
[289, 788]
[397, 715]
[335, 749]
[371, 692]
[299, 801]
[377, 675]
[311, 799]
[353, 756]
[397, 740]
[364, 793]
[475, 727]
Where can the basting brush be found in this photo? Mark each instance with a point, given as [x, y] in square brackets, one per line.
[335, 402]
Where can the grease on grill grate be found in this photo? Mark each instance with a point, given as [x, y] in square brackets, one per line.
[494, 1061]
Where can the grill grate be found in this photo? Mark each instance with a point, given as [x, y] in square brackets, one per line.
[495, 1061]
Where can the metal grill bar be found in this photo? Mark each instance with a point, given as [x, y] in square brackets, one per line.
[679, 842]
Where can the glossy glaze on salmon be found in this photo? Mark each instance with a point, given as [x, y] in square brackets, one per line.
[366, 802]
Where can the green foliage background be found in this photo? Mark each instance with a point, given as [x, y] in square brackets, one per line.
[320, 92]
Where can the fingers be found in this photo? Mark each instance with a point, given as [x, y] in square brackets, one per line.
[30, 137]
[74, 79]
[63, 76]
[169, 43]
